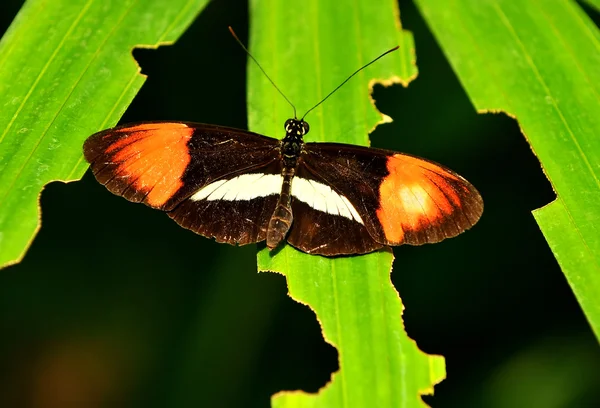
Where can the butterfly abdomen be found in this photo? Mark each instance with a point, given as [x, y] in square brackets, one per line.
[282, 218]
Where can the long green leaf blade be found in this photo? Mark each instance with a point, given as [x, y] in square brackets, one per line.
[308, 49]
[538, 61]
[66, 71]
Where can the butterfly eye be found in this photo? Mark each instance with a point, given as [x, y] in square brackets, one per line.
[287, 125]
[305, 127]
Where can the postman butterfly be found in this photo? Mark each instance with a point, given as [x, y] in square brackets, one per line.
[240, 187]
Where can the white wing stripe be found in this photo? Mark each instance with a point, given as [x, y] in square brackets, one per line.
[208, 190]
[250, 186]
[322, 198]
[244, 187]
[351, 210]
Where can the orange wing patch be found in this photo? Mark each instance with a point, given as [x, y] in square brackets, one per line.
[423, 202]
[150, 159]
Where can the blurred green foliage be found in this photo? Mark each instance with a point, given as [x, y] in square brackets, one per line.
[143, 313]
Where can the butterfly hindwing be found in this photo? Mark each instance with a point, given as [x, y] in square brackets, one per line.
[400, 198]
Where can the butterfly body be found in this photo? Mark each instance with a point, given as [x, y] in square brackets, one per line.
[292, 147]
[240, 187]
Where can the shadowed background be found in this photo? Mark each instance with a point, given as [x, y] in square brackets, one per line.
[115, 305]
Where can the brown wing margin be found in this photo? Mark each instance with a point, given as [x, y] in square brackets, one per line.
[402, 199]
[162, 163]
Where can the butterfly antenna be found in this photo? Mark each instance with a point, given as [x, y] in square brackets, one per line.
[347, 79]
[261, 68]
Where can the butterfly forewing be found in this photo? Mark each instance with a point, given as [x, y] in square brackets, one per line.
[400, 198]
[169, 166]
[161, 164]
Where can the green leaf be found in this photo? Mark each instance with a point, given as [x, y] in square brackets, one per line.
[66, 71]
[539, 61]
[308, 49]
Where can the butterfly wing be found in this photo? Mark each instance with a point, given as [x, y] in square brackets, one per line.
[396, 198]
[164, 164]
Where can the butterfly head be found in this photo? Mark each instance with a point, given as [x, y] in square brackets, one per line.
[296, 127]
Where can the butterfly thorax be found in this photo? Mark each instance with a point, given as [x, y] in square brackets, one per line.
[291, 145]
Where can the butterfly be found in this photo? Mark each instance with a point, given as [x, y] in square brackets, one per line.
[240, 187]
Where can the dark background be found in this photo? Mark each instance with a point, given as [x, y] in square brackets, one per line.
[115, 305]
